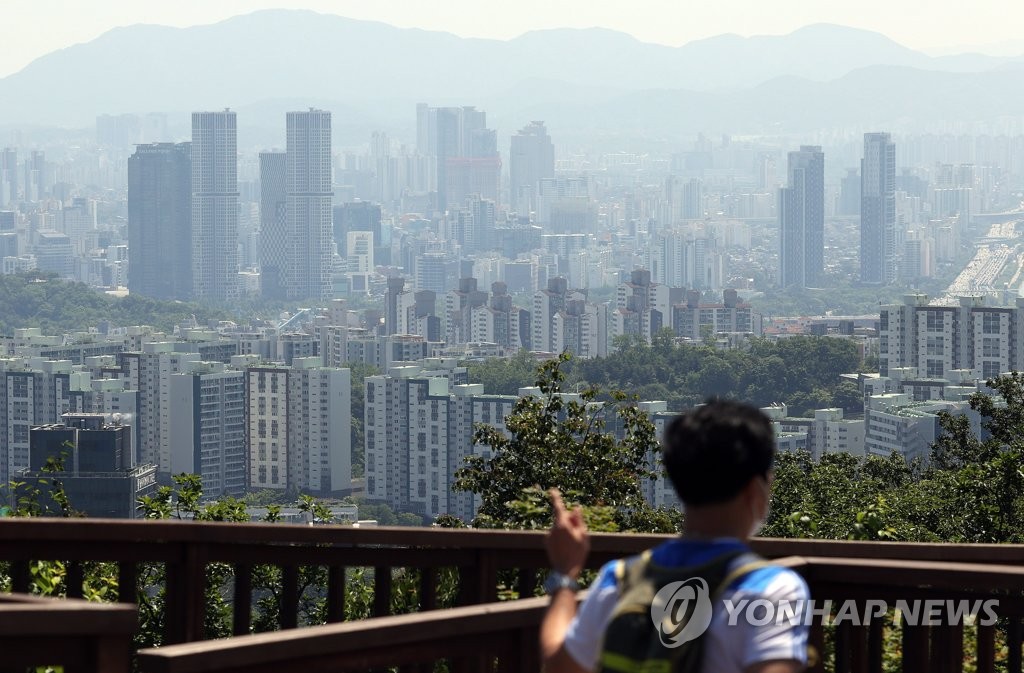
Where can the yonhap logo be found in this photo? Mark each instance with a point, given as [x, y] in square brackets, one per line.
[681, 611]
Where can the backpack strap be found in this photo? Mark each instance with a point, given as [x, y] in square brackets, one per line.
[748, 563]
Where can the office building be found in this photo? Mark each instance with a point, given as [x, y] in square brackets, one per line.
[100, 476]
[802, 220]
[273, 225]
[160, 221]
[215, 206]
[878, 210]
[531, 158]
[308, 216]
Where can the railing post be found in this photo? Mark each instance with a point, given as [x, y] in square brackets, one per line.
[381, 591]
[1013, 643]
[241, 621]
[986, 651]
[876, 644]
[185, 600]
[335, 594]
[527, 583]
[127, 582]
[816, 648]
[428, 588]
[20, 576]
[915, 648]
[73, 579]
[289, 616]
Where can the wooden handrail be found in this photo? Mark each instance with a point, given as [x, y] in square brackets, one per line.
[505, 631]
[387, 641]
[76, 634]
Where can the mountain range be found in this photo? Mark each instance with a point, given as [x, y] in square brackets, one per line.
[821, 76]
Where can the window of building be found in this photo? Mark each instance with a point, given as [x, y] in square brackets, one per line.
[935, 321]
[990, 323]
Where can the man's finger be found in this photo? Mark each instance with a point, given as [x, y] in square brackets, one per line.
[557, 504]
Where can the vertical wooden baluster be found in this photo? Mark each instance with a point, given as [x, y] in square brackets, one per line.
[428, 588]
[20, 576]
[915, 648]
[195, 591]
[74, 579]
[1013, 642]
[986, 649]
[816, 648]
[527, 582]
[487, 576]
[335, 594]
[843, 645]
[381, 591]
[859, 646]
[876, 644]
[289, 617]
[127, 582]
[242, 610]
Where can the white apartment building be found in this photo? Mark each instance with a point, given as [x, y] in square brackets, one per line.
[419, 429]
[895, 423]
[207, 432]
[939, 340]
[299, 427]
[149, 372]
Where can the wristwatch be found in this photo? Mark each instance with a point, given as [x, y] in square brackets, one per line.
[557, 581]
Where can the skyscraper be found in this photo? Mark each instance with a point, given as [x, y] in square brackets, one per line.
[308, 252]
[215, 205]
[465, 151]
[532, 157]
[273, 227]
[160, 221]
[878, 210]
[802, 219]
[9, 175]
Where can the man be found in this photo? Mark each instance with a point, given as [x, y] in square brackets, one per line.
[719, 459]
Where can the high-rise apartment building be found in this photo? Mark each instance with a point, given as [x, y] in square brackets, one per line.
[299, 427]
[32, 393]
[531, 158]
[207, 432]
[878, 210]
[215, 205]
[308, 246]
[160, 221]
[419, 429]
[944, 342]
[802, 220]
[273, 225]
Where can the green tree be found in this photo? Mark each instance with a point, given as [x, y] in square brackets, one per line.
[555, 440]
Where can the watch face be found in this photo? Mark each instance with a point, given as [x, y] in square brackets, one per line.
[556, 581]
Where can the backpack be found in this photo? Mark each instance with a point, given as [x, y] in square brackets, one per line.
[635, 643]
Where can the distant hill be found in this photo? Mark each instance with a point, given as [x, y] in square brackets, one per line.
[375, 72]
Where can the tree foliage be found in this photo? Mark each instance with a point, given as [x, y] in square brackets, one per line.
[58, 306]
[972, 489]
[569, 442]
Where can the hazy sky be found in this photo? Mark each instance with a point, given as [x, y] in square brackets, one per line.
[32, 28]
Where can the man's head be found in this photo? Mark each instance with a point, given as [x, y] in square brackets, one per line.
[719, 454]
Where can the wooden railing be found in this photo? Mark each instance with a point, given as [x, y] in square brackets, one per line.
[502, 637]
[481, 558]
[75, 634]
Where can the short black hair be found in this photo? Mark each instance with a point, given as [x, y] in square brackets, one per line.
[712, 451]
